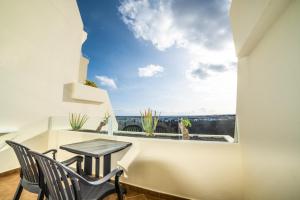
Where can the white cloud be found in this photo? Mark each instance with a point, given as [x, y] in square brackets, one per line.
[106, 81]
[176, 22]
[151, 21]
[202, 28]
[199, 71]
[150, 70]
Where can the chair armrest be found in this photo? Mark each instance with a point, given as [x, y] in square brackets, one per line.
[78, 160]
[115, 173]
[54, 151]
[72, 160]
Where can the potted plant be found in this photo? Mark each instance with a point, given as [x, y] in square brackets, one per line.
[90, 83]
[103, 122]
[77, 121]
[184, 124]
[149, 121]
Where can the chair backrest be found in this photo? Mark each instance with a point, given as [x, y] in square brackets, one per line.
[61, 183]
[29, 170]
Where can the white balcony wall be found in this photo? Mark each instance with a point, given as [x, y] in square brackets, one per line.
[40, 52]
[190, 169]
[83, 67]
[268, 106]
[84, 93]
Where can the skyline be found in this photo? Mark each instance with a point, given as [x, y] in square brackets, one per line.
[175, 57]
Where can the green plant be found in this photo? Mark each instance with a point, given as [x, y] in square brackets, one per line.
[149, 121]
[77, 120]
[90, 83]
[186, 122]
[103, 122]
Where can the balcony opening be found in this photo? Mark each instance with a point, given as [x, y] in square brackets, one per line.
[175, 58]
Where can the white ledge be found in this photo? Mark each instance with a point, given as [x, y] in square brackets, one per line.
[7, 130]
[78, 92]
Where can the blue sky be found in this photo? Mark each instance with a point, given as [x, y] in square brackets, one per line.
[174, 56]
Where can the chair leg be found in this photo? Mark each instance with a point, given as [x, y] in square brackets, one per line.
[124, 190]
[120, 195]
[119, 190]
[18, 191]
[41, 195]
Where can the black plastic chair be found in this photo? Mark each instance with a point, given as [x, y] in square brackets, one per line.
[29, 175]
[64, 184]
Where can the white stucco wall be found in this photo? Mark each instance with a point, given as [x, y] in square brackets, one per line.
[191, 169]
[40, 52]
[268, 104]
[83, 67]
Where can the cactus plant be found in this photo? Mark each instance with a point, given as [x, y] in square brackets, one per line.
[149, 121]
[77, 120]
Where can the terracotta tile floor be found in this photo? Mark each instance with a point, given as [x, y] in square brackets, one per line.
[8, 185]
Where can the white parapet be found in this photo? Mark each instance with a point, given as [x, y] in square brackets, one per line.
[84, 93]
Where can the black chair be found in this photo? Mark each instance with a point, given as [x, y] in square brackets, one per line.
[29, 175]
[64, 184]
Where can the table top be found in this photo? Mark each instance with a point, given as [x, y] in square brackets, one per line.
[96, 147]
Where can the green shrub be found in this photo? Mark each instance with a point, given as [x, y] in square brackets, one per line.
[77, 120]
[90, 83]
